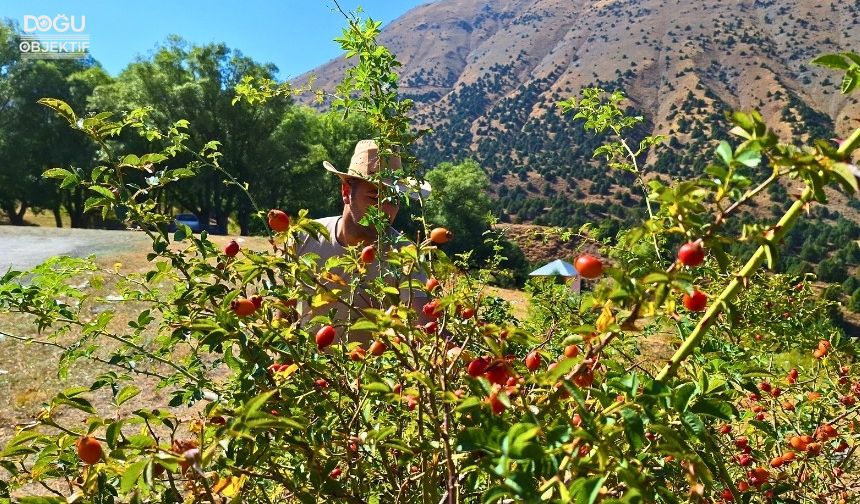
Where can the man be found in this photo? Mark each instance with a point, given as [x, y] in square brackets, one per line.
[360, 189]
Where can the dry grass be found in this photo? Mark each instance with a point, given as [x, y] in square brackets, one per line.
[45, 219]
[519, 300]
[28, 371]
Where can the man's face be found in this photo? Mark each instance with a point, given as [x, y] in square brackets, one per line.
[360, 195]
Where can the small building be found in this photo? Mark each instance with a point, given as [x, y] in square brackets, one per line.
[563, 269]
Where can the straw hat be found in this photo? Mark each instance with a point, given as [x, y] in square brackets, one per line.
[365, 163]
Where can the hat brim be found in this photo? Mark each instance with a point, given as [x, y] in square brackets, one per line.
[408, 186]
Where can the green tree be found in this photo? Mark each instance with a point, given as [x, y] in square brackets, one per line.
[854, 302]
[305, 138]
[851, 284]
[182, 81]
[460, 202]
[30, 137]
[831, 270]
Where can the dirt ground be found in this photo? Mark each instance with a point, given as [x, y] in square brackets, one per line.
[28, 371]
[27, 246]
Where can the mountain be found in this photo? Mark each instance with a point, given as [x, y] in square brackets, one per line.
[486, 76]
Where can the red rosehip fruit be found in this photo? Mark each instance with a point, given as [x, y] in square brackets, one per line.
[695, 302]
[691, 254]
[533, 361]
[279, 221]
[588, 266]
[231, 249]
[325, 336]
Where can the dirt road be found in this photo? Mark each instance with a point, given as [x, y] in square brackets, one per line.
[25, 246]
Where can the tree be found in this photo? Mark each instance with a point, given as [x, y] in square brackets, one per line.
[305, 139]
[460, 202]
[182, 81]
[854, 302]
[30, 141]
[831, 270]
[277, 150]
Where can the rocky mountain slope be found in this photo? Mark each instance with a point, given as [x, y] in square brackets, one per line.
[487, 74]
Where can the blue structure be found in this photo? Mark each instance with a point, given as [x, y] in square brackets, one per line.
[556, 268]
[563, 269]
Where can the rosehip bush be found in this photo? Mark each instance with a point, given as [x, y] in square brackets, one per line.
[617, 395]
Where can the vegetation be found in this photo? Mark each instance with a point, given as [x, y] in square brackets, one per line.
[756, 404]
[534, 162]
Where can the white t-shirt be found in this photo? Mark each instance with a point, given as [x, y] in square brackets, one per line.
[327, 248]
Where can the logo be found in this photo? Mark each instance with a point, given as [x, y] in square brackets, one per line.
[58, 37]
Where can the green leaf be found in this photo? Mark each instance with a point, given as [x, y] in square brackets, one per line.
[112, 433]
[126, 393]
[60, 107]
[519, 442]
[836, 61]
[845, 176]
[141, 441]
[738, 131]
[130, 159]
[468, 403]
[724, 151]
[694, 422]
[743, 120]
[256, 403]
[93, 202]
[472, 439]
[563, 366]
[749, 158]
[376, 387]
[182, 232]
[854, 57]
[587, 491]
[712, 408]
[75, 402]
[20, 444]
[131, 475]
[495, 494]
[716, 171]
[682, 395]
[152, 157]
[765, 427]
[667, 494]
[104, 191]
[634, 428]
[57, 173]
[70, 181]
[656, 277]
[851, 80]
[42, 500]
[364, 325]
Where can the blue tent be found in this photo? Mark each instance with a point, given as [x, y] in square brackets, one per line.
[556, 268]
[560, 268]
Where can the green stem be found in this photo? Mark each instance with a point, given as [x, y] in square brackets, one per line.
[849, 144]
[91, 357]
[695, 338]
[641, 181]
[721, 467]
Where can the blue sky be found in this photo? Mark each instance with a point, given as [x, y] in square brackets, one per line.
[295, 35]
